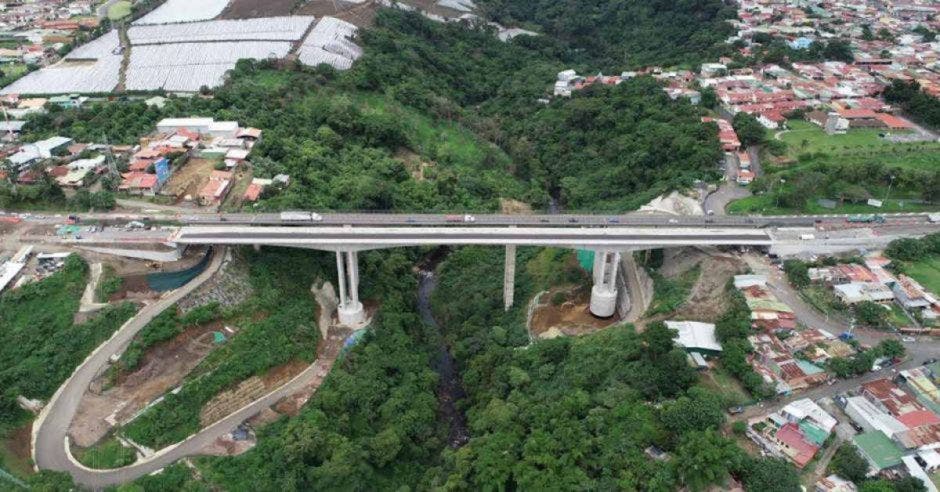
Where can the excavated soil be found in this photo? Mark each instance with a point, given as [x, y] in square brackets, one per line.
[709, 298]
[163, 367]
[571, 316]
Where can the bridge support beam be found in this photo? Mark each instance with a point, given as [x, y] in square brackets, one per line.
[351, 313]
[509, 276]
[604, 292]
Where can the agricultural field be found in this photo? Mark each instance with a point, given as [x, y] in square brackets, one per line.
[183, 11]
[90, 68]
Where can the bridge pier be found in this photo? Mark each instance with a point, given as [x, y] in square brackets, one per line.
[351, 313]
[604, 292]
[509, 276]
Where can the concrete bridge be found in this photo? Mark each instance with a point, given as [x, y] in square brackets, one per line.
[608, 237]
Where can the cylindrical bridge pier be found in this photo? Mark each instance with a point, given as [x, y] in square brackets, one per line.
[604, 292]
[351, 313]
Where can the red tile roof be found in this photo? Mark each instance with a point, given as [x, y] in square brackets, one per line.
[918, 418]
[797, 447]
[252, 193]
[893, 122]
[138, 180]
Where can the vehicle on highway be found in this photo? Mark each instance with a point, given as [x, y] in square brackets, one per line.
[460, 218]
[865, 219]
[736, 410]
[298, 216]
[673, 221]
[572, 220]
[543, 220]
[613, 220]
[908, 339]
[411, 220]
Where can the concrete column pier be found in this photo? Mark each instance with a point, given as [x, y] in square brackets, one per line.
[509, 276]
[350, 311]
[604, 292]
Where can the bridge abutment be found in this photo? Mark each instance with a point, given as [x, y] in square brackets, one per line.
[350, 312]
[604, 292]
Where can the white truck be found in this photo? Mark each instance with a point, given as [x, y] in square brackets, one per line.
[297, 216]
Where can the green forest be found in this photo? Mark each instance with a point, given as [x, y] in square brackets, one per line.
[621, 34]
[438, 117]
[40, 345]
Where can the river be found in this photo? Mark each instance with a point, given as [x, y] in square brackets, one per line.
[449, 388]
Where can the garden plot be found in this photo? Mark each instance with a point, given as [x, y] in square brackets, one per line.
[330, 42]
[189, 66]
[184, 11]
[93, 67]
[265, 29]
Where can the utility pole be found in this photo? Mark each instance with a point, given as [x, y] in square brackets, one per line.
[888, 191]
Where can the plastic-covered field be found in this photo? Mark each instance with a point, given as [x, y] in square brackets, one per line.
[262, 29]
[186, 67]
[329, 42]
[92, 67]
[184, 11]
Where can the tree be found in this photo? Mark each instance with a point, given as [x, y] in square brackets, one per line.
[749, 130]
[705, 458]
[51, 481]
[699, 410]
[771, 475]
[871, 314]
[891, 348]
[797, 273]
[906, 249]
[849, 464]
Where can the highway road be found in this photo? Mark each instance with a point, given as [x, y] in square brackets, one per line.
[329, 237]
[381, 219]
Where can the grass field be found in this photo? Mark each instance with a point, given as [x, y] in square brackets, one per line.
[927, 272]
[823, 299]
[718, 380]
[804, 136]
[107, 454]
[859, 145]
[119, 10]
[766, 204]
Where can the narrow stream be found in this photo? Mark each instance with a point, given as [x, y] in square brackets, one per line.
[449, 388]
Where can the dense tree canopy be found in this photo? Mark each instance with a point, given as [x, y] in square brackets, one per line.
[621, 34]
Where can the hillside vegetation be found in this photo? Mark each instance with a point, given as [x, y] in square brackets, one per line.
[615, 35]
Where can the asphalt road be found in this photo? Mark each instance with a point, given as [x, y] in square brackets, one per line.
[50, 431]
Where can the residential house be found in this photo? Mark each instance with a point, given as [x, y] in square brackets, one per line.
[834, 483]
[79, 171]
[880, 452]
[856, 292]
[139, 183]
[909, 293]
[793, 443]
[215, 190]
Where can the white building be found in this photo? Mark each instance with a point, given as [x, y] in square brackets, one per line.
[806, 409]
[872, 418]
[204, 126]
[693, 335]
